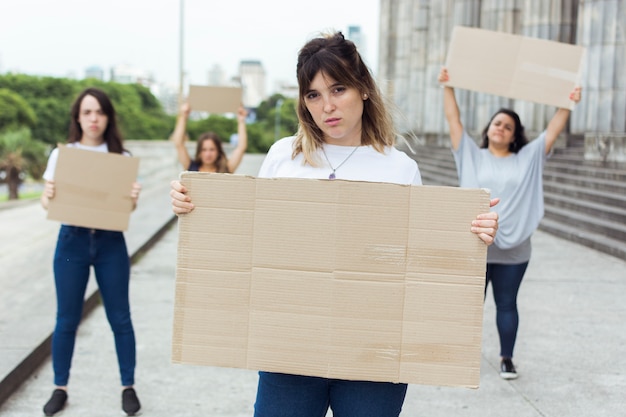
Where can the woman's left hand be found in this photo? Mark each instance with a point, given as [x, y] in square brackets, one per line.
[486, 224]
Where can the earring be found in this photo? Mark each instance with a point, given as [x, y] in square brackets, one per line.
[364, 96]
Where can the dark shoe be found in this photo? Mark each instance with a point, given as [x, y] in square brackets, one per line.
[56, 402]
[130, 402]
[507, 369]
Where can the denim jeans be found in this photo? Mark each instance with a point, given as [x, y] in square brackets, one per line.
[77, 250]
[505, 282]
[282, 395]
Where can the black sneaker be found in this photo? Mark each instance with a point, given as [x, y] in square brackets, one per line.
[56, 403]
[130, 402]
[507, 369]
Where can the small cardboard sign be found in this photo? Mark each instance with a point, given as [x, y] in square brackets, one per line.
[514, 66]
[337, 279]
[212, 99]
[92, 189]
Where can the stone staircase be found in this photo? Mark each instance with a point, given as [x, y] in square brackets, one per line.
[585, 201]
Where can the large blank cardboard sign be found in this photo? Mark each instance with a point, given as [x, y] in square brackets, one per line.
[212, 99]
[337, 279]
[92, 189]
[514, 66]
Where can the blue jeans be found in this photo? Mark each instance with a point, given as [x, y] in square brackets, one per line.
[77, 250]
[505, 282]
[282, 395]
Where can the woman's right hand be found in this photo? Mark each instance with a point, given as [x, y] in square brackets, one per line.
[443, 75]
[181, 203]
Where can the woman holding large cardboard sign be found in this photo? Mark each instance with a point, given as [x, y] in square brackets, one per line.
[346, 132]
[210, 155]
[511, 167]
[92, 128]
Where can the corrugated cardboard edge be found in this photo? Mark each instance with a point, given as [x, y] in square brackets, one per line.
[93, 189]
[421, 355]
[520, 61]
[215, 99]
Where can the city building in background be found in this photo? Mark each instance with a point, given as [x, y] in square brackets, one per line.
[358, 37]
[414, 36]
[95, 72]
[167, 94]
[253, 80]
[216, 75]
[126, 74]
[286, 89]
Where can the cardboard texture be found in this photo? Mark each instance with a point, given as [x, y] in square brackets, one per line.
[338, 279]
[524, 68]
[93, 189]
[214, 99]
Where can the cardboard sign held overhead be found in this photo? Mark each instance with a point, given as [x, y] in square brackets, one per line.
[514, 66]
[92, 189]
[337, 279]
[212, 99]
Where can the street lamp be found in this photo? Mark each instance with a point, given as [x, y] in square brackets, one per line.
[279, 104]
[180, 55]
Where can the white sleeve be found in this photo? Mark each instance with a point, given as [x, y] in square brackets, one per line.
[417, 179]
[48, 174]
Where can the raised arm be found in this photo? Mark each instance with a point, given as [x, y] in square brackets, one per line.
[179, 135]
[559, 120]
[451, 110]
[242, 144]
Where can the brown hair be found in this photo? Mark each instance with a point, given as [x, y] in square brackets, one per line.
[339, 59]
[112, 136]
[221, 163]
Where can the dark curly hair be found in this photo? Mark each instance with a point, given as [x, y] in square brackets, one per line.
[519, 137]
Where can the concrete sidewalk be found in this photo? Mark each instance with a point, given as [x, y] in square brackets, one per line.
[569, 351]
[569, 354]
[27, 297]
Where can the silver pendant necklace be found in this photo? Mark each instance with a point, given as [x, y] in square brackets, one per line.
[332, 174]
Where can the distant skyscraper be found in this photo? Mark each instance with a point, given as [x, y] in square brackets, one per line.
[356, 36]
[216, 75]
[126, 74]
[95, 72]
[252, 77]
[167, 94]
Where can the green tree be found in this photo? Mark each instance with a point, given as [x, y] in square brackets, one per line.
[140, 115]
[15, 111]
[221, 125]
[266, 112]
[20, 154]
[268, 124]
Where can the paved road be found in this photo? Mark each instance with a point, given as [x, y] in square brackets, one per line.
[570, 351]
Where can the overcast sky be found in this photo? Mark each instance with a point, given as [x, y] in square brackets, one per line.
[45, 37]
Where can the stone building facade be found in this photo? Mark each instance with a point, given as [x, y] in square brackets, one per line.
[414, 37]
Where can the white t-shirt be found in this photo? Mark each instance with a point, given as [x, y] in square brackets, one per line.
[366, 164]
[48, 175]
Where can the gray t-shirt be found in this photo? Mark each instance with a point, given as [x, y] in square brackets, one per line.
[518, 181]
